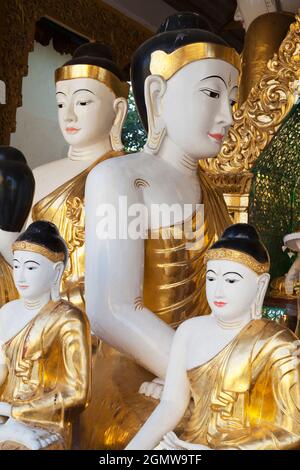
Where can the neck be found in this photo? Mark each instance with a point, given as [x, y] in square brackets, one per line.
[174, 156]
[236, 324]
[37, 303]
[90, 153]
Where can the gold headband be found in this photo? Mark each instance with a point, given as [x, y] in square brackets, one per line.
[237, 256]
[35, 248]
[167, 65]
[68, 72]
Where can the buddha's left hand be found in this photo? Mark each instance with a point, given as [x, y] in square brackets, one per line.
[172, 442]
[5, 409]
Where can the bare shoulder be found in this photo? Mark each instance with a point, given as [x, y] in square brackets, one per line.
[7, 309]
[189, 328]
[116, 172]
[47, 167]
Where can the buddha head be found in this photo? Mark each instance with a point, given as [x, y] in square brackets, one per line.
[40, 255]
[91, 98]
[237, 274]
[184, 82]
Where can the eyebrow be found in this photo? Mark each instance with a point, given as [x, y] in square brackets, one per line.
[31, 261]
[61, 93]
[233, 272]
[83, 89]
[215, 76]
[210, 271]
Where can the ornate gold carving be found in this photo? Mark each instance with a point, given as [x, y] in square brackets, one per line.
[238, 257]
[104, 76]
[42, 250]
[167, 65]
[89, 18]
[257, 120]
[141, 183]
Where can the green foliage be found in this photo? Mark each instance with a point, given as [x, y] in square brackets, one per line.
[133, 134]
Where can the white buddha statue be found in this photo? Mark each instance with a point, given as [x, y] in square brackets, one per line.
[241, 371]
[45, 348]
[92, 105]
[138, 290]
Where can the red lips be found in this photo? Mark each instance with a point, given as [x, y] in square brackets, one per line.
[217, 137]
[220, 304]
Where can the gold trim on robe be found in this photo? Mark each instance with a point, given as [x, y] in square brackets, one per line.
[65, 208]
[248, 396]
[49, 369]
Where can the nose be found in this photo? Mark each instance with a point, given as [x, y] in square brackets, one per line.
[219, 292]
[224, 116]
[70, 115]
[20, 274]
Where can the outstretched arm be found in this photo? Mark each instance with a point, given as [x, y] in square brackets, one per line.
[175, 399]
[115, 271]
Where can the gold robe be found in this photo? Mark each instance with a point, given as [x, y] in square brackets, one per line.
[248, 396]
[174, 289]
[65, 208]
[49, 369]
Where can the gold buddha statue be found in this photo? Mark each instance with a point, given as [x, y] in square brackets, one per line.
[240, 371]
[45, 351]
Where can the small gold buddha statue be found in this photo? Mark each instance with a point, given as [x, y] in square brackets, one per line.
[241, 371]
[45, 357]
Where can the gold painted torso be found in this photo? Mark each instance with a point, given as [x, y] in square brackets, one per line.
[247, 397]
[49, 368]
[174, 275]
[65, 208]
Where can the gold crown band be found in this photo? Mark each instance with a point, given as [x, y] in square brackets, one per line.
[167, 65]
[68, 72]
[238, 257]
[35, 248]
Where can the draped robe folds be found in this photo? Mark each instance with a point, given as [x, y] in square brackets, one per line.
[248, 396]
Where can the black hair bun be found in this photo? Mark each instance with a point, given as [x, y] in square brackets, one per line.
[16, 189]
[244, 238]
[245, 231]
[46, 234]
[96, 53]
[184, 20]
[94, 49]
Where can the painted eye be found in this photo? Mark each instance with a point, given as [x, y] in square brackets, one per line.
[16, 266]
[211, 93]
[232, 103]
[83, 103]
[60, 105]
[210, 278]
[231, 281]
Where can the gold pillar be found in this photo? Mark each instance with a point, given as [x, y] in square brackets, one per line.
[262, 41]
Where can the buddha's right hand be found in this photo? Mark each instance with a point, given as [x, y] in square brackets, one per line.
[27, 436]
[153, 389]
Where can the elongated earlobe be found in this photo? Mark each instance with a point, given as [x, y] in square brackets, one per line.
[155, 88]
[120, 108]
[262, 287]
[55, 288]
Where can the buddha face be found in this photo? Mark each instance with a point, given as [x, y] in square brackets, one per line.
[232, 289]
[196, 107]
[33, 273]
[85, 111]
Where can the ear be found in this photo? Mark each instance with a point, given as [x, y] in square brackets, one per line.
[155, 88]
[120, 107]
[262, 286]
[58, 269]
